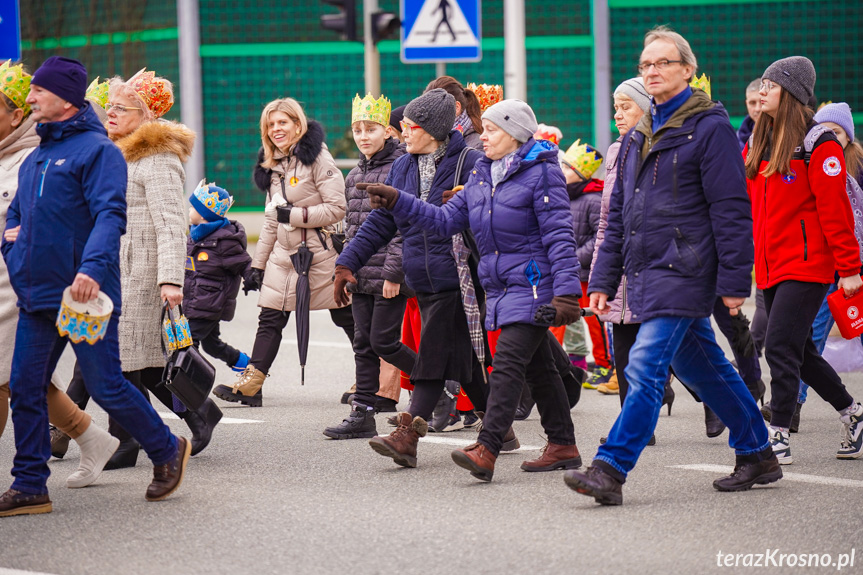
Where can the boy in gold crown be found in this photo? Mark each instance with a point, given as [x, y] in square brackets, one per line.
[379, 292]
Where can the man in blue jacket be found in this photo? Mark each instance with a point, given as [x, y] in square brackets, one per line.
[63, 229]
[680, 223]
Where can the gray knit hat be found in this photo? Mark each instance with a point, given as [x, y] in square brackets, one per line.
[838, 113]
[634, 88]
[434, 112]
[513, 117]
[796, 75]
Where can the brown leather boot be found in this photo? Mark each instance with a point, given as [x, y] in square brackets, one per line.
[168, 477]
[477, 459]
[17, 503]
[401, 444]
[510, 441]
[247, 390]
[553, 457]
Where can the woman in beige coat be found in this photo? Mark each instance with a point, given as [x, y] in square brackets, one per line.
[305, 198]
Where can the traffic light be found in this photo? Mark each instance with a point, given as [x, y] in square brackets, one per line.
[384, 24]
[345, 22]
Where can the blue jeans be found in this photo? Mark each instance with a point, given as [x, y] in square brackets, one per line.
[820, 330]
[38, 347]
[689, 346]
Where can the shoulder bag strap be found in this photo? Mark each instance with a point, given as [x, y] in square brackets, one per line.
[459, 166]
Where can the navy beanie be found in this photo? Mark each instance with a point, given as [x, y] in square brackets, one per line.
[63, 77]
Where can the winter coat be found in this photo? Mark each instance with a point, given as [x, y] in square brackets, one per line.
[71, 207]
[523, 220]
[427, 260]
[319, 198]
[214, 267]
[585, 203]
[153, 251]
[679, 219]
[745, 131]
[804, 226]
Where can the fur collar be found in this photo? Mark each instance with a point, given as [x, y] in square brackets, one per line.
[159, 137]
[306, 151]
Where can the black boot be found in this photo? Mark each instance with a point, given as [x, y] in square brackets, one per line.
[712, 424]
[525, 405]
[360, 423]
[668, 396]
[795, 419]
[201, 423]
[757, 390]
[125, 456]
[756, 469]
[595, 483]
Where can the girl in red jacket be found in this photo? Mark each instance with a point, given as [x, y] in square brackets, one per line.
[804, 231]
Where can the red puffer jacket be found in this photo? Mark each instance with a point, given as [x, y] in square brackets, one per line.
[802, 222]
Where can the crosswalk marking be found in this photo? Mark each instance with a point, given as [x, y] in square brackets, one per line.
[167, 415]
[466, 442]
[786, 475]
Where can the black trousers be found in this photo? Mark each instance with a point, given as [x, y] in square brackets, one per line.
[623, 338]
[524, 354]
[792, 355]
[377, 335]
[206, 333]
[759, 322]
[144, 379]
[271, 322]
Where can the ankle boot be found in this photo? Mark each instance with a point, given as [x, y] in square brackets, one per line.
[525, 405]
[668, 397]
[596, 483]
[125, 456]
[757, 390]
[401, 444]
[510, 441]
[553, 457]
[97, 446]
[477, 459]
[247, 390]
[360, 423]
[59, 443]
[712, 424]
[756, 469]
[201, 423]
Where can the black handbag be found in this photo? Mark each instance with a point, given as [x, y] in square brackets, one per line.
[187, 374]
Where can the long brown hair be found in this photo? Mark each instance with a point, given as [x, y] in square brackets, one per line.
[468, 100]
[854, 160]
[782, 135]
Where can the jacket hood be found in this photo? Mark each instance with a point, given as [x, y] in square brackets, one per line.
[698, 103]
[22, 138]
[387, 155]
[84, 120]
[530, 152]
[159, 137]
[578, 189]
[306, 151]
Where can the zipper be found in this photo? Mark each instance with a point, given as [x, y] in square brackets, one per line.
[805, 243]
[426, 250]
[42, 180]
[623, 301]
[674, 178]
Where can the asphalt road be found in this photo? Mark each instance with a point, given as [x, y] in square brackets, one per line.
[273, 495]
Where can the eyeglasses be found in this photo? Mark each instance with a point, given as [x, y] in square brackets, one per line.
[407, 127]
[766, 86]
[119, 109]
[660, 65]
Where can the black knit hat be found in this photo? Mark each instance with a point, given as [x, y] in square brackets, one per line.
[434, 112]
[396, 116]
[796, 75]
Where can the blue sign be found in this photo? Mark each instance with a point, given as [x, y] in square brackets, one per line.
[441, 31]
[10, 31]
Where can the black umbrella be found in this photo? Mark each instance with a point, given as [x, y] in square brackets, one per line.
[302, 261]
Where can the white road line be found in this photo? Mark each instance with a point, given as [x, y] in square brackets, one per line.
[466, 442]
[4, 571]
[166, 415]
[790, 476]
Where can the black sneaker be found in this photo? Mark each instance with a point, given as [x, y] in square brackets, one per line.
[596, 483]
[470, 418]
[445, 416]
[745, 475]
[360, 423]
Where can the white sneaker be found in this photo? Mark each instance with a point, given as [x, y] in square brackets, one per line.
[851, 446]
[97, 446]
[779, 441]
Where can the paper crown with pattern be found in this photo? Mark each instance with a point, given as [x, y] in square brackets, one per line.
[488, 94]
[98, 92]
[370, 110]
[550, 133]
[702, 83]
[15, 84]
[211, 198]
[583, 158]
[154, 91]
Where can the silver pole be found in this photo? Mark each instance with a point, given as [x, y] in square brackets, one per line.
[601, 76]
[514, 53]
[191, 98]
[372, 57]
[439, 69]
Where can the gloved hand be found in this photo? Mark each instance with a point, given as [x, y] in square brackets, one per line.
[568, 310]
[255, 281]
[342, 278]
[380, 196]
[448, 194]
[283, 213]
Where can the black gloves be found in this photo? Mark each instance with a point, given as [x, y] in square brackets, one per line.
[283, 213]
[254, 281]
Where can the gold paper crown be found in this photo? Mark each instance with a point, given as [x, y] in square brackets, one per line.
[97, 92]
[153, 91]
[370, 110]
[702, 83]
[583, 158]
[488, 94]
[15, 84]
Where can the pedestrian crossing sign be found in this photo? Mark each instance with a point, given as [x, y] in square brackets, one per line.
[440, 31]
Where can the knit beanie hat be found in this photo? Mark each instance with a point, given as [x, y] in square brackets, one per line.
[211, 201]
[514, 117]
[634, 88]
[796, 75]
[838, 113]
[396, 116]
[64, 77]
[434, 112]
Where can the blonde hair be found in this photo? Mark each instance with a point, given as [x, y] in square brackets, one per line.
[119, 87]
[687, 56]
[295, 112]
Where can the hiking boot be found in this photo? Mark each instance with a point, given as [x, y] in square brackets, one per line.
[749, 473]
[604, 488]
[599, 375]
[553, 457]
[247, 390]
[401, 444]
[477, 459]
[16, 503]
[97, 446]
[851, 446]
[385, 405]
[779, 442]
[59, 442]
[611, 387]
[168, 476]
[470, 418]
[713, 426]
[445, 414]
[359, 423]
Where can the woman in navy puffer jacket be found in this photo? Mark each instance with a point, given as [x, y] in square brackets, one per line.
[516, 204]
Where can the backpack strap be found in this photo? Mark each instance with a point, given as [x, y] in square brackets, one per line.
[459, 166]
[811, 139]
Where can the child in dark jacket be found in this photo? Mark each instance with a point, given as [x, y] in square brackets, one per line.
[216, 259]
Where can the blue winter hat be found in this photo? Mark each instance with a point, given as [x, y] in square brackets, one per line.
[63, 77]
[211, 201]
[838, 113]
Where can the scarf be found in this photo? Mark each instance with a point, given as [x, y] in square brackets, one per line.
[428, 166]
[500, 167]
[463, 123]
[201, 231]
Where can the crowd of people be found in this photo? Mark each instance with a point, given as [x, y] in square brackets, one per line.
[467, 257]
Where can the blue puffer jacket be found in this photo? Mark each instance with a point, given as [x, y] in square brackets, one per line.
[679, 219]
[524, 220]
[71, 206]
[427, 258]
